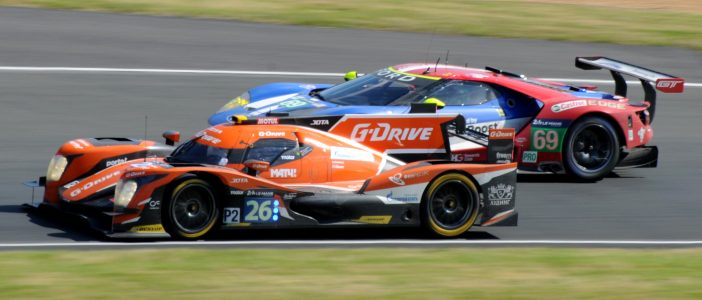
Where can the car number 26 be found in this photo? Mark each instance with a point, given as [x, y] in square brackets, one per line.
[261, 210]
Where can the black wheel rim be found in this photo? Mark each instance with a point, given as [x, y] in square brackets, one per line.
[450, 206]
[592, 148]
[193, 208]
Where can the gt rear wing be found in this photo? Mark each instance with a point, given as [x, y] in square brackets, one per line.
[649, 78]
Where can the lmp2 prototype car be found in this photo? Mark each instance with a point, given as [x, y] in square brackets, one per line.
[280, 172]
[560, 128]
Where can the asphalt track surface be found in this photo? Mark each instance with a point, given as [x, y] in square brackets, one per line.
[39, 110]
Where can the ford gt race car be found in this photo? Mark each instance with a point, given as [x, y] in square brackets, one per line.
[560, 128]
[286, 172]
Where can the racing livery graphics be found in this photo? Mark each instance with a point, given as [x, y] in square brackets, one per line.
[284, 172]
[558, 128]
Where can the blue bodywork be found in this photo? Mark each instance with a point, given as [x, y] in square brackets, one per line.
[508, 109]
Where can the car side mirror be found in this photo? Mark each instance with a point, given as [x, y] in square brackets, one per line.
[257, 165]
[351, 75]
[171, 137]
[439, 104]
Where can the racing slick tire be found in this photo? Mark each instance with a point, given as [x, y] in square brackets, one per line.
[450, 205]
[191, 211]
[591, 148]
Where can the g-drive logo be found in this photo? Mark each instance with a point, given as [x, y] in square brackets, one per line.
[384, 132]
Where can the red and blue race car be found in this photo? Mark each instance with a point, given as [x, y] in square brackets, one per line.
[560, 128]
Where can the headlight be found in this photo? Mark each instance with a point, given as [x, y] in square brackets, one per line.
[56, 167]
[124, 192]
[242, 100]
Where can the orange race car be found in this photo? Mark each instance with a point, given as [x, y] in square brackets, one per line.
[286, 172]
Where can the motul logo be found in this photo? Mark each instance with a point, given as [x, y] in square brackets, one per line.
[383, 132]
[670, 85]
[267, 121]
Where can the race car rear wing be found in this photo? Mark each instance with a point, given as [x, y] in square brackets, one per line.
[663, 82]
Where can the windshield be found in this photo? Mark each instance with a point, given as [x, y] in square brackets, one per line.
[378, 88]
[454, 93]
[194, 152]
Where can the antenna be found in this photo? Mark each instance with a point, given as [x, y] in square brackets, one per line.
[146, 126]
[447, 53]
[437, 63]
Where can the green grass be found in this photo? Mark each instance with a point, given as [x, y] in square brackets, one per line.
[383, 273]
[516, 19]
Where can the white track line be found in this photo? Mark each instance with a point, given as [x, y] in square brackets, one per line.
[242, 72]
[359, 243]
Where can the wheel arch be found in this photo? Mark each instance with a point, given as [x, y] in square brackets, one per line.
[612, 121]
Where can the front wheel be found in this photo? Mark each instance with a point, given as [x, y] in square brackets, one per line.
[591, 148]
[192, 211]
[450, 205]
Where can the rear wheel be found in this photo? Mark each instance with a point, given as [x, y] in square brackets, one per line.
[591, 148]
[191, 211]
[450, 205]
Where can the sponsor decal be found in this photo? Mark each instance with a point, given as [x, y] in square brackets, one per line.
[134, 174]
[240, 180]
[672, 85]
[338, 164]
[568, 105]
[560, 107]
[76, 144]
[397, 179]
[374, 219]
[630, 134]
[465, 157]
[236, 192]
[550, 123]
[287, 157]
[93, 183]
[288, 196]
[402, 198]
[530, 156]
[271, 133]
[231, 215]
[383, 132]
[115, 162]
[501, 194]
[210, 139]
[256, 193]
[389, 74]
[400, 178]
[283, 173]
[500, 112]
[501, 134]
[267, 121]
[155, 228]
[214, 129]
[641, 133]
[483, 127]
[293, 102]
[344, 153]
[319, 122]
[503, 157]
[471, 120]
[154, 204]
[71, 184]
